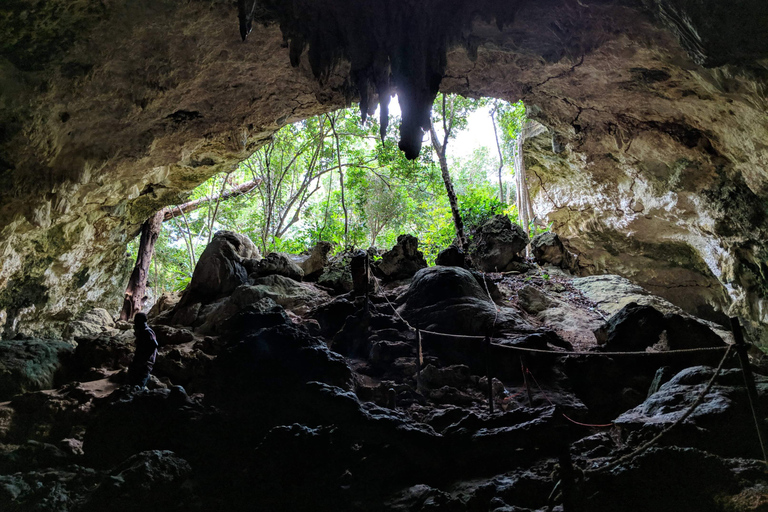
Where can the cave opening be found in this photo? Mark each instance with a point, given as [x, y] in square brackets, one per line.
[353, 379]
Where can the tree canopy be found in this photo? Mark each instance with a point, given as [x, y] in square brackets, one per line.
[333, 178]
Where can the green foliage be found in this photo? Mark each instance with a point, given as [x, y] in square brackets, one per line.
[297, 198]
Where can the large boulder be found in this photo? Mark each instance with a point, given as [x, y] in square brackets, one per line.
[277, 263]
[166, 302]
[402, 261]
[547, 248]
[721, 424]
[220, 269]
[497, 244]
[93, 323]
[337, 276]
[31, 365]
[318, 258]
[150, 480]
[636, 327]
[451, 257]
[453, 300]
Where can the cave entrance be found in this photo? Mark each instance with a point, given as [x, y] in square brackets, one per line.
[333, 178]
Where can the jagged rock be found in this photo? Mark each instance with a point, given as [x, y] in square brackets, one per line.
[721, 424]
[547, 248]
[277, 263]
[385, 352]
[246, 302]
[402, 261]
[145, 481]
[30, 365]
[167, 335]
[47, 490]
[331, 316]
[220, 269]
[187, 368]
[93, 323]
[637, 327]
[497, 244]
[450, 299]
[141, 420]
[337, 276]
[166, 302]
[106, 352]
[451, 257]
[318, 259]
[682, 479]
[455, 376]
[276, 361]
[634, 328]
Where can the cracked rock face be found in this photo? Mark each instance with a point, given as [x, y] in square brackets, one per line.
[654, 164]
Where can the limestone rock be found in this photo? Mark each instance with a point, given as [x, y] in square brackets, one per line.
[277, 263]
[166, 302]
[451, 257]
[146, 480]
[220, 269]
[450, 299]
[318, 259]
[337, 276]
[402, 261]
[547, 248]
[721, 424]
[103, 351]
[31, 365]
[497, 244]
[93, 323]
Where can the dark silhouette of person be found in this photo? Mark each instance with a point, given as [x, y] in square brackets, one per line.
[146, 352]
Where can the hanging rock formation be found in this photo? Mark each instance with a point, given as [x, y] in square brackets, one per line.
[653, 166]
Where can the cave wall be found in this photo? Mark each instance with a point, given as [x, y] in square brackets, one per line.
[110, 110]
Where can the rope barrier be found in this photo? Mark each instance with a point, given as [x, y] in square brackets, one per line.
[603, 425]
[661, 434]
[557, 352]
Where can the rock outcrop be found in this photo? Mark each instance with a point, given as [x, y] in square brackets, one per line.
[497, 244]
[655, 112]
[402, 261]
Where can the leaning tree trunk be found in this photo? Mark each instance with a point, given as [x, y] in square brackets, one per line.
[457, 222]
[137, 284]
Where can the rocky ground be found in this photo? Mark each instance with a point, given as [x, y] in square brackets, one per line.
[282, 385]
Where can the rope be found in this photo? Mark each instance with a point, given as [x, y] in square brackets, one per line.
[558, 352]
[682, 418]
[602, 425]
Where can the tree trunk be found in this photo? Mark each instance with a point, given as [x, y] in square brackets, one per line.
[176, 211]
[457, 222]
[137, 284]
[341, 181]
[501, 156]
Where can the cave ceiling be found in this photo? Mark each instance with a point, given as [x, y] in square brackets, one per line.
[654, 163]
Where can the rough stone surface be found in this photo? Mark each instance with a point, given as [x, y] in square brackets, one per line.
[402, 261]
[655, 113]
[277, 263]
[451, 257]
[318, 258]
[450, 299]
[30, 365]
[218, 272]
[547, 248]
[496, 244]
[722, 424]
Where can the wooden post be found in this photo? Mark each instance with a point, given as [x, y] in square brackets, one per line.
[527, 384]
[749, 383]
[419, 357]
[488, 373]
[567, 473]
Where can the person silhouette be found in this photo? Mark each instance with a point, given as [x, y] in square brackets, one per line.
[146, 352]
